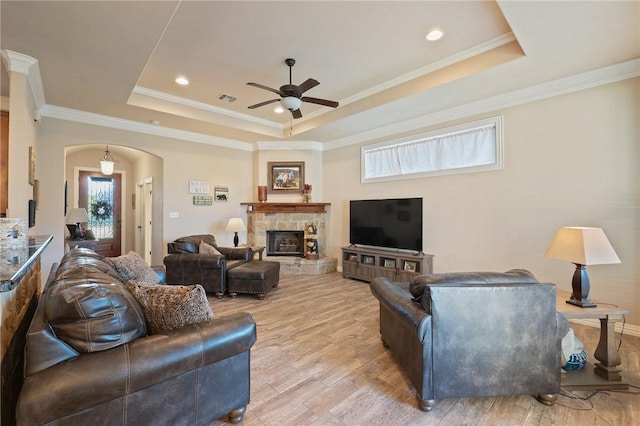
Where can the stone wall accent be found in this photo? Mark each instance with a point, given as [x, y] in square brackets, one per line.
[259, 223]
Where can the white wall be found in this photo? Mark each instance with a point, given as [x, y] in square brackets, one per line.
[179, 161]
[571, 160]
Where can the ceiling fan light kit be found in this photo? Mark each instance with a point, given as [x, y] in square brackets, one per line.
[291, 103]
[291, 95]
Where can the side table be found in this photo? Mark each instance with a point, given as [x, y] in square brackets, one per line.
[259, 250]
[605, 374]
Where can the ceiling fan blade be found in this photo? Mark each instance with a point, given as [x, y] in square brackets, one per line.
[260, 86]
[264, 103]
[296, 113]
[309, 84]
[325, 102]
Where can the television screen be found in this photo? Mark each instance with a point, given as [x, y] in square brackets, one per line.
[391, 223]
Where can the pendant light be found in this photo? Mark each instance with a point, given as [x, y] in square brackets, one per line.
[107, 162]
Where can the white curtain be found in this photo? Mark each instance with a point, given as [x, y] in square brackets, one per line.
[469, 148]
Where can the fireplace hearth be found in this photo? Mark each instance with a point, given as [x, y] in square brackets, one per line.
[285, 243]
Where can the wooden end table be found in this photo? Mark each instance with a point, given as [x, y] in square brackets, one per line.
[605, 374]
[259, 250]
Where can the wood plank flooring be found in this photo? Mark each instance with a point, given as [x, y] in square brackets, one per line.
[319, 361]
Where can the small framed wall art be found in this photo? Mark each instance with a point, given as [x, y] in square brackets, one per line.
[221, 193]
[199, 186]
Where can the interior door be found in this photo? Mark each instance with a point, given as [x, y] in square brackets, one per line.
[148, 215]
[101, 196]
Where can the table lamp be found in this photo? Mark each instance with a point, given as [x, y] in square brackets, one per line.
[235, 225]
[581, 246]
[77, 216]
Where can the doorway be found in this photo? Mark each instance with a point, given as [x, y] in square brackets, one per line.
[101, 196]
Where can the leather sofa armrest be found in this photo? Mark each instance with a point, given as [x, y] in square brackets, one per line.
[195, 260]
[237, 253]
[96, 378]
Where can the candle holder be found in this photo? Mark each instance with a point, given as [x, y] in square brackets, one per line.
[262, 193]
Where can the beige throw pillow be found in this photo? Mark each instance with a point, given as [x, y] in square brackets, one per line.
[167, 307]
[131, 266]
[205, 248]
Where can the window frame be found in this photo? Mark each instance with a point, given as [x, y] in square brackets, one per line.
[498, 163]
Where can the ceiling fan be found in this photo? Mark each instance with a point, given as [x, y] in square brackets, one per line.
[291, 95]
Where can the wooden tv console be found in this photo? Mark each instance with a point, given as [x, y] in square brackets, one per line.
[368, 263]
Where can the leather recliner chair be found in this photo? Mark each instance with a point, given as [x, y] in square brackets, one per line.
[459, 335]
[185, 265]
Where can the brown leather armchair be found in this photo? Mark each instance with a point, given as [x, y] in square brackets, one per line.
[185, 265]
[473, 334]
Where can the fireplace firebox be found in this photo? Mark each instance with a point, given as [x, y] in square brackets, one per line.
[285, 243]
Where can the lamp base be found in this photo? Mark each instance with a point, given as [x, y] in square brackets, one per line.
[580, 286]
[586, 303]
[236, 240]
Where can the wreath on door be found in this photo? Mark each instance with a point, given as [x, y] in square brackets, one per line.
[101, 210]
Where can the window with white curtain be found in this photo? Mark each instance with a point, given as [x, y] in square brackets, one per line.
[470, 147]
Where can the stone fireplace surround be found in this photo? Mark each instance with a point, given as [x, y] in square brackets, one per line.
[263, 217]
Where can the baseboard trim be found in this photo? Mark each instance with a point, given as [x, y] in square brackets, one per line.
[629, 329]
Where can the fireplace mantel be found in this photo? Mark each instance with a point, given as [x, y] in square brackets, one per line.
[286, 207]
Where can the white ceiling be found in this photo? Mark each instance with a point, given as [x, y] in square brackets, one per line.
[120, 59]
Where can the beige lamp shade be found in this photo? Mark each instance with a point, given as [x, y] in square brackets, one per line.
[78, 215]
[583, 246]
[235, 224]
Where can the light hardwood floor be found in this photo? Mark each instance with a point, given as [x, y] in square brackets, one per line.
[319, 361]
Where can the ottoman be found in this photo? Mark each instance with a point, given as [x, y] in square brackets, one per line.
[255, 277]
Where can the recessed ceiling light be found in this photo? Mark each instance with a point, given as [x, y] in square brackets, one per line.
[278, 110]
[434, 35]
[183, 81]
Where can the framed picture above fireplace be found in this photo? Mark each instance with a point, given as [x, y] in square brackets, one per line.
[285, 176]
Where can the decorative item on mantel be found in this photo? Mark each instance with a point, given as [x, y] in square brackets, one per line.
[262, 193]
[311, 237]
[306, 193]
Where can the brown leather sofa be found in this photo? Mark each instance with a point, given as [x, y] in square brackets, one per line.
[116, 374]
[185, 265]
[473, 334]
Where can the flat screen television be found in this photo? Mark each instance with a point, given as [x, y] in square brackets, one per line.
[391, 223]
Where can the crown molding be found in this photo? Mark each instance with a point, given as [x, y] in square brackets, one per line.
[24, 64]
[606, 75]
[165, 102]
[288, 145]
[74, 115]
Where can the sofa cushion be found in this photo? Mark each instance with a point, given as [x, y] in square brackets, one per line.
[86, 257]
[167, 307]
[133, 267]
[205, 248]
[93, 312]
